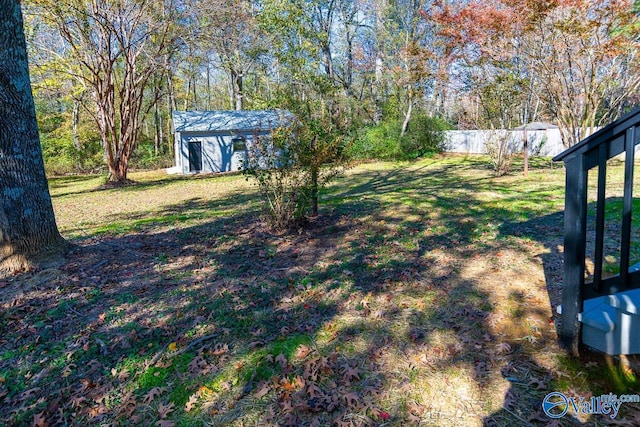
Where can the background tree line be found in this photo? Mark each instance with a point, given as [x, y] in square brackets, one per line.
[389, 73]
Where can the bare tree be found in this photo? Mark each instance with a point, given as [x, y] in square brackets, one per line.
[28, 229]
[114, 48]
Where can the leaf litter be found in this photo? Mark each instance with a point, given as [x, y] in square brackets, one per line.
[369, 306]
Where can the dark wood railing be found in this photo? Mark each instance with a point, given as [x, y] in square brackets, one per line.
[619, 137]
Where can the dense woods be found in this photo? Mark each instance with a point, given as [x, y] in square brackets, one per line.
[107, 73]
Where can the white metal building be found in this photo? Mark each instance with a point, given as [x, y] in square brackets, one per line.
[217, 141]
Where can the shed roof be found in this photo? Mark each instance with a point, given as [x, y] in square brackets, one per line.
[229, 120]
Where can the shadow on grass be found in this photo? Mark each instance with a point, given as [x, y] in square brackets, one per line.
[379, 290]
[602, 374]
[76, 185]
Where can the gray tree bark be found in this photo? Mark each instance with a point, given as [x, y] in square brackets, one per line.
[28, 231]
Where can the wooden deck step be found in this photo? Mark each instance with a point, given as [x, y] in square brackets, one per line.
[609, 322]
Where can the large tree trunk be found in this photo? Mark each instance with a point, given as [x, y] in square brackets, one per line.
[407, 116]
[239, 90]
[28, 229]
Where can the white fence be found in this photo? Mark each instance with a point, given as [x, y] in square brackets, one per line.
[541, 142]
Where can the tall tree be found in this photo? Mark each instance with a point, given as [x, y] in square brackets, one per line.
[114, 49]
[228, 29]
[586, 62]
[27, 224]
[577, 57]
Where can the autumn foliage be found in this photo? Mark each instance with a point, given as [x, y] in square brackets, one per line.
[575, 59]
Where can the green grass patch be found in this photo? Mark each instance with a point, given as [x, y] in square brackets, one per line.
[421, 285]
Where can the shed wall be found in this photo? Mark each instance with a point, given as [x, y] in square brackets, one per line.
[541, 142]
[217, 150]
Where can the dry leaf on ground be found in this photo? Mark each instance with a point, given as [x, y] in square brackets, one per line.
[152, 394]
[165, 410]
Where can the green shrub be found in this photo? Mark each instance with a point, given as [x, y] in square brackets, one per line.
[290, 166]
[273, 163]
[63, 152]
[145, 156]
[424, 136]
[378, 142]
[62, 156]
[501, 150]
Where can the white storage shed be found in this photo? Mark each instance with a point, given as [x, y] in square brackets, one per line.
[217, 141]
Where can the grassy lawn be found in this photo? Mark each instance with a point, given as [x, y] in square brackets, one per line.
[422, 295]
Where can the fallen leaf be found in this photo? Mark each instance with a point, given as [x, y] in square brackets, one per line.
[299, 382]
[94, 366]
[68, 370]
[314, 391]
[311, 370]
[200, 366]
[39, 420]
[262, 390]
[537, 383]
[288, 385]
[97, 411]
[415, 408]
[173, 346]
[127, 408]
[538, 416]
[165, 410]
[302, 352]
[352, 399]
[77, 401]
[152, 394]
[204, 391]
[193, 399]
[502, 348]
[287, 407]
[29, 393]
[350, 373]
[220, 349]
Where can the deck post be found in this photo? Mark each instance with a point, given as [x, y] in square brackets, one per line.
[575, 222]
[598, 256]
[627, 206]
[620, 136]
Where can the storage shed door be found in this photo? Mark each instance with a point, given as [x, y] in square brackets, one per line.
[195, 156]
